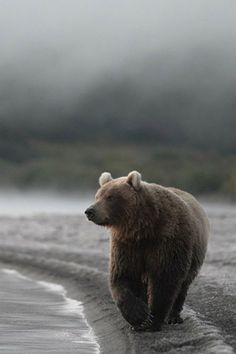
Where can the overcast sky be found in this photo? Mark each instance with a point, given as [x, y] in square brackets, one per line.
[60, 48]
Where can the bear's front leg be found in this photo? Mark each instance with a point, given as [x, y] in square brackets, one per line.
[134, 310]
[161, 296]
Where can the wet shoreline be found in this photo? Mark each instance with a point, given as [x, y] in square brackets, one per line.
[37, 316]
[74, 253]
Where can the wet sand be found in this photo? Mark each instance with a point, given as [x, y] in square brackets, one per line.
[68, 250]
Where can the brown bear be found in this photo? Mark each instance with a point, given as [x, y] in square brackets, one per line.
[158, 243]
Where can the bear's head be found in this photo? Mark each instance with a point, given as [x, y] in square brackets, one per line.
[116, 199]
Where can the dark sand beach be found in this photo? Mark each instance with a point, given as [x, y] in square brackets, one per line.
[70, 251]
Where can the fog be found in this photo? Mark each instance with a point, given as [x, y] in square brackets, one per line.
[53, 52]
[88, 86]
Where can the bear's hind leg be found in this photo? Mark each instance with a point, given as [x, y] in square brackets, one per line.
[174, 316]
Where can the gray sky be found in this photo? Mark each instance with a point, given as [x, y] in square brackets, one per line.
[58, 49]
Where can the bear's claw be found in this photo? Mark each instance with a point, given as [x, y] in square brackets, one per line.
[137, 313]
[148, 326]
[147, 323]
[175, 319]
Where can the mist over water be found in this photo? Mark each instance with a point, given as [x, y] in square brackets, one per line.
[19, 203]
[92, 86]
[54, 52]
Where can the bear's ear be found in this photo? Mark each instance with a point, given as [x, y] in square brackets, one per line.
[134, 179]
[104, 178]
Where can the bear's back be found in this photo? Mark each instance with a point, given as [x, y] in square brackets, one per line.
[197, 212]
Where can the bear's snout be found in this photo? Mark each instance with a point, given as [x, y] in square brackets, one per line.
[90, 213]
[97, 214]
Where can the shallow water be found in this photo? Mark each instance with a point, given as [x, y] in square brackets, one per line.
[38, 317]
[17, 203]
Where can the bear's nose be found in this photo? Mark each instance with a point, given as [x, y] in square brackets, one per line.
[90, 212]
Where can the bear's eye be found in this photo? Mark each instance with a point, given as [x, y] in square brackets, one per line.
[110, 197]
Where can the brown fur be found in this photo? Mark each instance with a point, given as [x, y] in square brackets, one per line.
[158, 244]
